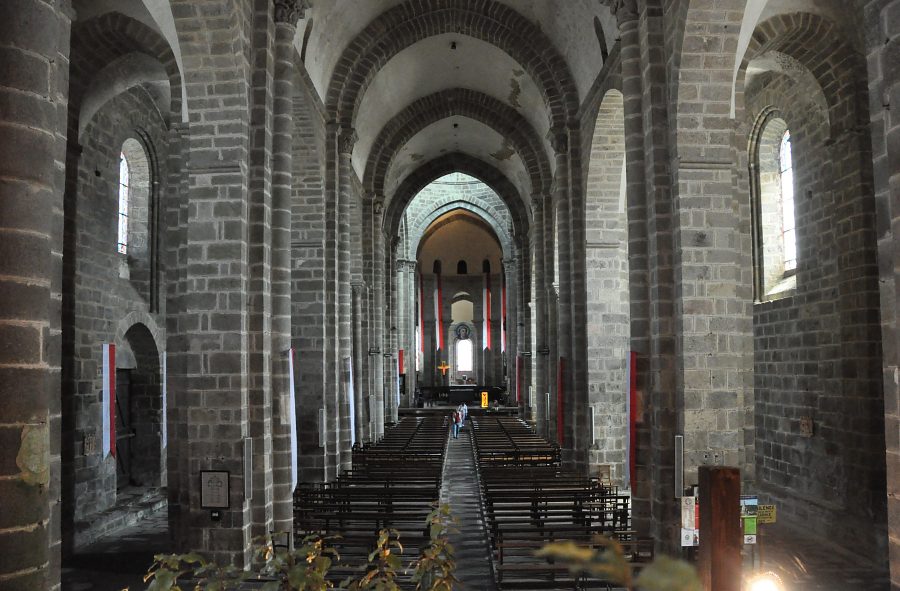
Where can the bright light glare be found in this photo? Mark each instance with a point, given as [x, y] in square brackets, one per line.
[767, 582]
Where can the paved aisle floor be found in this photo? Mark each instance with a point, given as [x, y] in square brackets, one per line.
[460, 490]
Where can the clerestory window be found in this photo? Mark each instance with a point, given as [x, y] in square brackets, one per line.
[775, 229]
[124, 189]
[788, 231]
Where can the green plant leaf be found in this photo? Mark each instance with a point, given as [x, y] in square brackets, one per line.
[668, 574]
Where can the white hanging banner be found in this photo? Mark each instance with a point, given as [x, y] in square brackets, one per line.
[109, 399]
[292, 417]
[348, 368]
[163, 419]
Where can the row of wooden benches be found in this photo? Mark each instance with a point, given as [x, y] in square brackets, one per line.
[530, 503]
[393, 484]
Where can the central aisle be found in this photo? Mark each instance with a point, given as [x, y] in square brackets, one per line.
[460, 490]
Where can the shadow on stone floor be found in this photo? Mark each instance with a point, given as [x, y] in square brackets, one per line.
[120, 559]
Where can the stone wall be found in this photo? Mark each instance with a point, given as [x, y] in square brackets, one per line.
[820, 455]
[308, 283]
[607, 287]
[882, 20]
[104, 298]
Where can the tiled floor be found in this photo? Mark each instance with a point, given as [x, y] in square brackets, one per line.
[120, 559]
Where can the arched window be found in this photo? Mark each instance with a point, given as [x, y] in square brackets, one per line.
[135, 224]
[788, 232]
[124, 190]
[462, 268]
[774, 230]
[464, 357]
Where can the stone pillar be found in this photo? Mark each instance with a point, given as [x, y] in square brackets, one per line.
[390, 359]
[259, 295]
[549, 351]
[332, 397]
[379, 320]
[409, 336]
[346, 140]
[884, 112]
[524, 315]
[34, 40]
[636, 198]
[539, 302]
[358, 399]
[511, 273]
[287, 13]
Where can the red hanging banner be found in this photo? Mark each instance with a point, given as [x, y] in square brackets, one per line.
[503, 314]
[400, 362]
[109, 399]
[560, 401]
[486, 302]
[421, 334]
[438, 312]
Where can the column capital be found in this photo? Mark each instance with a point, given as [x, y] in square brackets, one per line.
[623, 10]
[346, 139]
[290, 11]
[559, 139]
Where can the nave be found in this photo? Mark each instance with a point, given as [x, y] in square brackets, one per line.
[507, 494]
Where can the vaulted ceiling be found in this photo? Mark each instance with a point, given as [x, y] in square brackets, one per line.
[421, 80]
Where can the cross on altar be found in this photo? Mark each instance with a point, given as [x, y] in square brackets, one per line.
[443, 367]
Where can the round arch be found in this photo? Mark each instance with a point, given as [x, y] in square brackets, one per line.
[811, 39]
[459, 101]
[456, 162]
[103, 40]
[419, 231]
[415, 20]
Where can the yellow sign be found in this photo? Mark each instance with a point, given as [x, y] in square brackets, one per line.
[766, 514]
[484, 400]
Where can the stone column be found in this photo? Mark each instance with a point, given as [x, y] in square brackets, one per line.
[551, 299]
[34, 40]
[884, 112]
[332, 394]
[539, 246]
[379, 319]
[409, 338]
[524, 315]
[390, 359]
[259, 295]
[358, 399]
[636, 198]
[287, 13]
[511, 272]
[346, 140]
